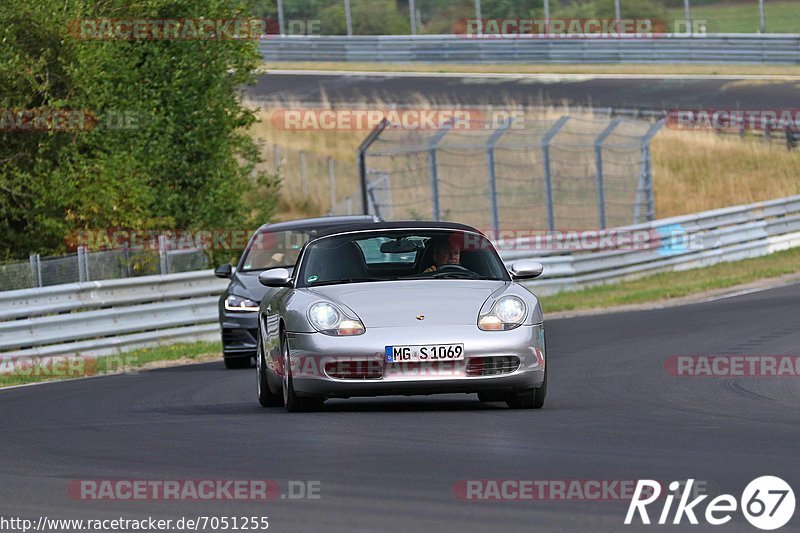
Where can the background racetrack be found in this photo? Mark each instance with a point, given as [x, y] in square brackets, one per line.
[617, 91]
[390, 464]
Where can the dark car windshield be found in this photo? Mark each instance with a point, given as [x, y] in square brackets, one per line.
[389, 255]
[273, 249]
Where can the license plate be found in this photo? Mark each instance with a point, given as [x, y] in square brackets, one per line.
[424, 353]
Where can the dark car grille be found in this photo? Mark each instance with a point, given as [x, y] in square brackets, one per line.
[491, 366]
[355, 369]
[231, 336]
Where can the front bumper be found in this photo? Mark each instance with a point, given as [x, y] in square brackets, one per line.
[239, 334]
[314, 354]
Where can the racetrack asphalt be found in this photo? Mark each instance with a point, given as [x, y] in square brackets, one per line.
[390, 464]
[620, 92]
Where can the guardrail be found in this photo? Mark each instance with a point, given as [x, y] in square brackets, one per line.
[658, 48]
[677, 243]
[103, 317]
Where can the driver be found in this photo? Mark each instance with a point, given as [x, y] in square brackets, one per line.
[444, 253]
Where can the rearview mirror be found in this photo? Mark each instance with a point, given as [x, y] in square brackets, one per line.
[224, 271]
[275, 277]
[399, 246]
[526, 269]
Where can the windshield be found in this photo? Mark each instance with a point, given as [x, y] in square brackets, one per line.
[400, 255]
[273, 249]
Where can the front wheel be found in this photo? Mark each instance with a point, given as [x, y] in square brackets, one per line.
[529, 399]
[293, 402]
[265, 396]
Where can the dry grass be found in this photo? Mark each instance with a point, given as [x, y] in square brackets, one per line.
[693, 171]
[697, 171]
[657, 70]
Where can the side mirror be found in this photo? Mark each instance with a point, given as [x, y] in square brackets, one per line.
[224, 271]
[526, 269]
[275, 277]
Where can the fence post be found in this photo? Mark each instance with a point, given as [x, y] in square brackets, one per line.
[490, 146]
[433, 171]
[79, 258]
[644, 189]
[548, 178]
[349, 205]
[303, 174]
[362, 164]
[348, 18]
[86, 273]
[280, 18]
[36, 269]
[332, 183]
[163, 259]
[598, 165]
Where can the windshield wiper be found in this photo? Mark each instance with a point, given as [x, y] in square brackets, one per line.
[343, 281]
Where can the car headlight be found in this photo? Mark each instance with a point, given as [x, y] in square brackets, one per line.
[330, 320]
[507, 313]
[238, 304]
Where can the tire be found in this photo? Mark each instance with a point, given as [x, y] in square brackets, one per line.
[265, 396]
[232, 363]
[293, 402]
[529, 399]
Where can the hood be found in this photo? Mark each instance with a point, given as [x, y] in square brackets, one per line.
[398, 303]
[246, 284]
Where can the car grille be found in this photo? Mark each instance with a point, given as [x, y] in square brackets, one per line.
[491, 366]
[354, 369]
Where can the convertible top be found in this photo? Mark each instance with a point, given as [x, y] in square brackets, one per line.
[411, 224]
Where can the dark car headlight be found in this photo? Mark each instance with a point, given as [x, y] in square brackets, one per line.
[239, 304]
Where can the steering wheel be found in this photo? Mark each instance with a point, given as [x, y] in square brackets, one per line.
[453, 268]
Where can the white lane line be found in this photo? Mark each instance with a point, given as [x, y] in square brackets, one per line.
[530, 76]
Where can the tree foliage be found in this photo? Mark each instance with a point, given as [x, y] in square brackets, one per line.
[181, 159]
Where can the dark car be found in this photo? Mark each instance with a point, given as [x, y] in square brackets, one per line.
[272, 246]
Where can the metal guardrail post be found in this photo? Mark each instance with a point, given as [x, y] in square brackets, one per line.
[163, 259]
[644, 188]
[303, 174]
[491, 144]
[332, 182]
[282, 27]
[548, 178]
[36, 269]
[362, 164]
[433, 171]
[81, 268]
[598, 165]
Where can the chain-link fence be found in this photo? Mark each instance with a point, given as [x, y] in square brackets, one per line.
[569, 173]
[317, 183]
[100, 265]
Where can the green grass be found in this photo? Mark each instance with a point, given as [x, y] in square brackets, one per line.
[742, 17]
[72, 367]
[669, 285]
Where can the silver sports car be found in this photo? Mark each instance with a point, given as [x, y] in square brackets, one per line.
[400, 308]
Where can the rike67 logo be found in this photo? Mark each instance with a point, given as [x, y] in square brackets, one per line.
[767, 503]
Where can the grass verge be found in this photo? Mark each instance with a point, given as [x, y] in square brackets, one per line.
[742, 17]
[36, 369]
[671, 285]
[515, 68]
